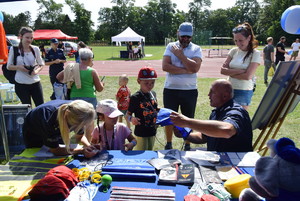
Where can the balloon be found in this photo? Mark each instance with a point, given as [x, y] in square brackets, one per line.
[290, 22]
[1, 17]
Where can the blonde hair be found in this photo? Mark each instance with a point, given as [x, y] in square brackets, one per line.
[124, 77]
[269, 39]
[74, 116]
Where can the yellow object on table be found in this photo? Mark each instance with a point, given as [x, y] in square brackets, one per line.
[236, 184]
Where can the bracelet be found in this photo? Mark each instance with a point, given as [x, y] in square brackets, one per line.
[133, 142]
[129, 118]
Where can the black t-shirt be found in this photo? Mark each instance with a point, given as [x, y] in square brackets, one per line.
[144, 107]
[280, 55]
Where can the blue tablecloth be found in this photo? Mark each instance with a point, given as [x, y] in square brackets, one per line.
[180, 190]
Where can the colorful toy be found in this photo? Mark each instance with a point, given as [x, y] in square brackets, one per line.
[106, 181]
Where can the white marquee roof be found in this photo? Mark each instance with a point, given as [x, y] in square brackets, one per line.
[127, 35]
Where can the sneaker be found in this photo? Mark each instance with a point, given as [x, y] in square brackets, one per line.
[187, 147]
[168, 146]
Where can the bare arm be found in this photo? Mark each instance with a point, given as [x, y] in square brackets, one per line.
[60, 76]
[56, 61]
[212, 128]
[225, 70]
[98, 84]
[168, 67]
[281, 50]
[248, 74]
[272, 57]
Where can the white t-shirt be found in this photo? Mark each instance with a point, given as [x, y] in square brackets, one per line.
[28, 59]
[237, 62]
[182, 81]
[295, 46]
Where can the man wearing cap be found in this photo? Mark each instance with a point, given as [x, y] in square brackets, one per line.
[229, 126]
[56, 59]
[182, 60]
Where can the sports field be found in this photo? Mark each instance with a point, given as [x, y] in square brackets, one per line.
[209, 71]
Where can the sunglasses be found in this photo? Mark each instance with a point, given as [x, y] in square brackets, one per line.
[186, 37]
[147, 73]
[239, 29]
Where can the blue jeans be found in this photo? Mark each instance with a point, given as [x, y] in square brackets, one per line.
[242, 97]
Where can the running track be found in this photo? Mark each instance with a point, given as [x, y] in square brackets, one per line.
[210, 67]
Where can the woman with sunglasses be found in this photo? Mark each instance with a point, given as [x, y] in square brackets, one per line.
[241, 64]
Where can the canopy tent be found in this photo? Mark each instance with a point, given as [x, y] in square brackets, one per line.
[127, 35]
[45, 34]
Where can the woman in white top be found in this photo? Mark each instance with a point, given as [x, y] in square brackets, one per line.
[28, 64]
[241, 64]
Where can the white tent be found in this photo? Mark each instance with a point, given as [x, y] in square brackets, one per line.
[126, 36]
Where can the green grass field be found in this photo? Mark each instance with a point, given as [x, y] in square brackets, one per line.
[289, 128]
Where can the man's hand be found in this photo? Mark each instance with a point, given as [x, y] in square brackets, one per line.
[177, 51]
[179, 119]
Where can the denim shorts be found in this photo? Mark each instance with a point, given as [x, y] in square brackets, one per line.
[242, 97]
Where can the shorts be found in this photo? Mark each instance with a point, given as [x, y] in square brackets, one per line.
[242, 97]
[295, 53]
[185, 99]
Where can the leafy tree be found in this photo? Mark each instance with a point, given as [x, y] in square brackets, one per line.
[82, 23]
[13, 24]
[49, 11]
[269, 20]
[195, 15]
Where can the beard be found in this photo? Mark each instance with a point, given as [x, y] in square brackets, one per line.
[184, 43]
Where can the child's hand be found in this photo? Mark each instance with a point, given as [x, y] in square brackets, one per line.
[90, 151]
[135, 121]
[129, 146]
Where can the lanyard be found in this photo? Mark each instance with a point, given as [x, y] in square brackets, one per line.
[109, 147]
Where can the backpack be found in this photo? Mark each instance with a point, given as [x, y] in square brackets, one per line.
[56, 185]
[10, 74]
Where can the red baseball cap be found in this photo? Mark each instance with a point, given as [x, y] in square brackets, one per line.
[147, 73]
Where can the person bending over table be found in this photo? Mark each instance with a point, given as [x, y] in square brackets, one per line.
[50, 124]
[229, 128]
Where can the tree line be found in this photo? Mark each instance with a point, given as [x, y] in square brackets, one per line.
[157, 20]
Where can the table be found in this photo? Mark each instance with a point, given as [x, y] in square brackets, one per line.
[124, 54]
[180, 190]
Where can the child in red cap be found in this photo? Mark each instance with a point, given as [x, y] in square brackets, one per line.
[143, 105]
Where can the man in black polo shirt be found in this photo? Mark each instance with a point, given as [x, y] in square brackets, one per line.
[56, 59]
[229, 128]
